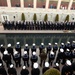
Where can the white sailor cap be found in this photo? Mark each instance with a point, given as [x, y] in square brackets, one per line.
[56, 43]
[0, 64]
[56, 64]
[52, 52]
[73, 41]
[1, 45]
[24, 67]
[18, 43]
[46, 64]
[5, 52]
[9, 45]
[26, 45]
[35, 65]
[61, 50]
[67, 50]
[15, 52]
[34, 53]
[42, 43]
[49, 43]
[11, 66]
[33, 44]
[68, 42]
[25, 52]
[62, 43]
[68, 62]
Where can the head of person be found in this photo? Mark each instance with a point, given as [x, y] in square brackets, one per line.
[0, 64]
[34, 53]
[52, 53]
[57, 64]
[42, 44]
[5, 52]
[49, 44]
[11, 66]
[68, 62]
[1, 45]
[33, 44]
[56, 43]
[62, 43]
[9, 45]
[68, 42]
[26, 45]
[46, 64]
[16, 52]
[24, 67]
[61, 50]
[25, 52]
[35, 65]
[18, 43]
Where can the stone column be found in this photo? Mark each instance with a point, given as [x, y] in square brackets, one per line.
[34, 3]
[70, 4]
[47, 4]
[59, 4]
[22, 3]
[9, 3]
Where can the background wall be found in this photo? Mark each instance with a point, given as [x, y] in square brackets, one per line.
[29, 12]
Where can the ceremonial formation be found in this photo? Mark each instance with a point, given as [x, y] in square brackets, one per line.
[51, 56]
[38, 25]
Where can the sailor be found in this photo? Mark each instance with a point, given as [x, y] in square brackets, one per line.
[24, 71]
[2, 49]
[2, 70]
[10, 49]
[49, 48]
[33, 58]
[25, 58]
[17, 58]
[18, 47]
[35, 70]
[41, 47]
[26, 48]
[12, 70]
[33, 49]
[7, 58]
[45, 68]
[67, 68]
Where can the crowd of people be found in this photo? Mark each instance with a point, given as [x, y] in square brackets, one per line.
[63, 55]
[38, 25]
